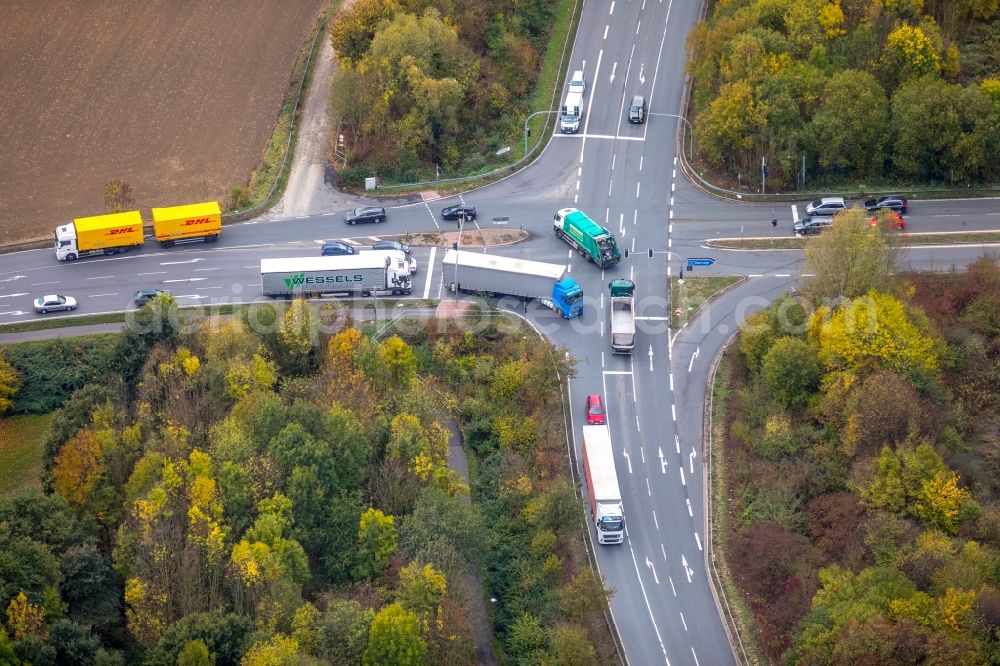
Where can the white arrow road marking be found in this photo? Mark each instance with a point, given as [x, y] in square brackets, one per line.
[697, 350]
[663, 463]
[613, 69]
[164, 272]
[629, 460]
[690, 513]
[13, 277]
[188, 261]
[688, 570]
[691, 459]
[653, 569]
[16, 313]
[642, 79]
[23, 293]
[190, 296]
[650, 358]
[186, 280]
[677, 443]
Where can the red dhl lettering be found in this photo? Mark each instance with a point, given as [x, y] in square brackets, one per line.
[198, 220]
[117, 232]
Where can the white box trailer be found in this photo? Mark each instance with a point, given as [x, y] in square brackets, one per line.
[362, 274]
[602, 485]
[495, 275]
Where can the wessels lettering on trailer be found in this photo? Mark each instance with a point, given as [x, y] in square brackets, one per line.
[123, 230]
[300, 280]
[197, 220]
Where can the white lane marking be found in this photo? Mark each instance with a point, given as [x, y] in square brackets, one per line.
[690, 513]
[683, 480]
[427, 281]
[677, 443]
[164, 272]
[584, 135]
[197, 270]
[682, 620]
[673, 411]
[612, 10]
[174, 263]
[698, 539]
[606, 31]
[102, 277]
[114, 293]
[795, 214]
[39, 284]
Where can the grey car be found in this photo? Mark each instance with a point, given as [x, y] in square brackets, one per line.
[813, 225]
[54, 303]
[826, 206]
[391, 245]
[143, 296]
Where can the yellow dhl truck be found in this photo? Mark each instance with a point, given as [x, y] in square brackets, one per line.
[203, 220]
[117, 232]
[100, 234]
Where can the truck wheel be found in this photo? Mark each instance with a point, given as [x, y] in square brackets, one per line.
[211, 239]
[366, 294]
[71, 257]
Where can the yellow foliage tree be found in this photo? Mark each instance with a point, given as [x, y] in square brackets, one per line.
[25, 618]
[940, 501]
[10, 384]
[77, 466]
[871, 331]
[421, 589]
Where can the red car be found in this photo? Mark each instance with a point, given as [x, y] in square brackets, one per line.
[893, 220]
[595, 410]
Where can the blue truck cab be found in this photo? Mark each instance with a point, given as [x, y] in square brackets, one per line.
[567, 298]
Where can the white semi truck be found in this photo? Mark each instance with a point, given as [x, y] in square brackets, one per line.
[602, 485]
[494, 275]
[365, 273]
[622, 316]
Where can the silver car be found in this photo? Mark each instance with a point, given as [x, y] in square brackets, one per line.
[54, 303]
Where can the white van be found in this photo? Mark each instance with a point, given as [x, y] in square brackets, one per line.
[572, 112]
[578, 83]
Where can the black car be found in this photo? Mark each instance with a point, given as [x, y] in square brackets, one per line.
[365, 214]
[813, 225]
[890, 201]
[143, 296]
[455, 212]
[391, 245]
[336, 249]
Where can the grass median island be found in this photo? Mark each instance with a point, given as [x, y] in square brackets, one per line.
[689, 295]
[905, 239]
[22, 439]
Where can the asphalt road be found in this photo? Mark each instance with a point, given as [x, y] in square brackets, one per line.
[625, 177]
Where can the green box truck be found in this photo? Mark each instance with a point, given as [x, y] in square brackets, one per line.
[590, 239]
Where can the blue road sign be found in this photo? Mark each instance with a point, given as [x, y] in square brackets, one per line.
[700, 262]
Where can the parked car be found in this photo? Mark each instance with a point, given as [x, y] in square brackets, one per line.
[637, 110]
[391, 245]
[143, 296]
[813, 225]
[595, 410]
[365, 214]
[455, 212]
[893, 220]
[890, 201]
[336, 249]
[54, 303]
[826, 206]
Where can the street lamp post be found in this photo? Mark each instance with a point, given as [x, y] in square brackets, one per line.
[690, 131]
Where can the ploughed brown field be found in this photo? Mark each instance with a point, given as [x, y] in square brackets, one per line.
[176, 98]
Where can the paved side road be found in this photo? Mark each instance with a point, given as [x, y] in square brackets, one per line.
[66, 332]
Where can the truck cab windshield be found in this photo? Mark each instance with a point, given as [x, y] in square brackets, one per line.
[611, 524]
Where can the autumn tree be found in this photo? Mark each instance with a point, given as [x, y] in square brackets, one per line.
[926, 125]
[298, 336]
[730, 128]
[10, 383]
[377, 541]
[395, 639]
[118, 196]
[909, 54]
[421, 589]
[870, 332]
[353, 29]
[849, 259]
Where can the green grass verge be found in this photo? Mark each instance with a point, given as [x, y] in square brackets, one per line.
[22, 443]
[693, 293]
[740, 613]
[785, 243]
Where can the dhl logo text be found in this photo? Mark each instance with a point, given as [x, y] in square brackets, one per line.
[197, 220]
[123, 230]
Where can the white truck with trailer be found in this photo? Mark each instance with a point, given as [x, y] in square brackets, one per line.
[364, 274]
[494, 275]
[622, 316]
[602, 485]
